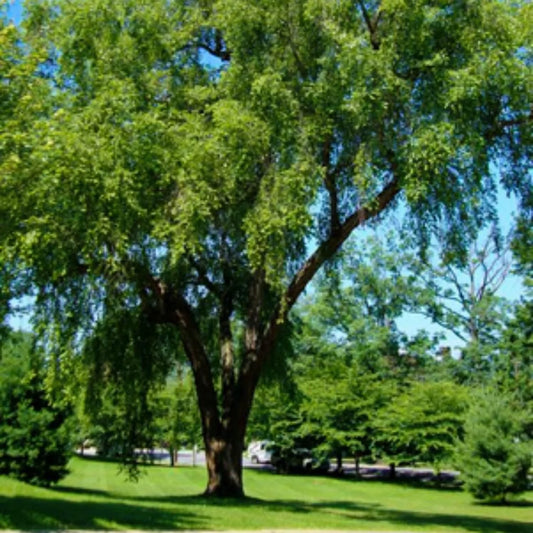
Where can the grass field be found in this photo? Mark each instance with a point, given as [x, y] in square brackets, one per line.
[96, 496]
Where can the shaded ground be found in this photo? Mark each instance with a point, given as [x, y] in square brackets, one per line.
[210, 531]
[96, 497]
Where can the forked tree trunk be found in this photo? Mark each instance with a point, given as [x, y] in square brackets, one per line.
[224, 427]
[224, 443]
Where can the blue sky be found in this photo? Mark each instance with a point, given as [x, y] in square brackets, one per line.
[14, 11]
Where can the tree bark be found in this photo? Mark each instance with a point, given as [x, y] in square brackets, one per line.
[339, 462]
[223, 458]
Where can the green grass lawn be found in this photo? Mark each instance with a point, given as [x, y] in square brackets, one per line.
[96, 496]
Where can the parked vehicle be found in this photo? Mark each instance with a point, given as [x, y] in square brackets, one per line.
[297, 460]
[260, 452]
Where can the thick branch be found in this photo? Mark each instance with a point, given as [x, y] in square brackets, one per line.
[500, 127]
[324, 252]
[203, 278]
[328, 247]
[180, 313]
[227, 359]
[216, 48]
[329, 182]
[372, 25]
[253, 321]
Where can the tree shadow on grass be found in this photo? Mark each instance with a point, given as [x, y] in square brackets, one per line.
[353, 512]
[188, 512]
[23, 512]
[374, 512]
[67, 489]
[428, 521]
[507, 503]
[412, 481]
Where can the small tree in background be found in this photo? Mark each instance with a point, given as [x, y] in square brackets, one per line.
[35, 437]
[421, 424]
[338, 408]
[179, 420]
[515, 358]
[495, 456]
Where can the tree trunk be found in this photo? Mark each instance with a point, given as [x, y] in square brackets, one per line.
[173, 453]
[339, 462]
[223, 457]
[392, 471]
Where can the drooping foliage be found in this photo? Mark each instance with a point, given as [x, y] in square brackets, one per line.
[178, 424]
[119, 393]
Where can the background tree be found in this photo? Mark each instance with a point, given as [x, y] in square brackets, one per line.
[181, 155]
[462, 297]
[514, 363]
[495, 455]
[274, 404]
[339, 407]
[35, 436]
[178, 419]
[522, 242]
[514, 366]
[353, 311]
[421, 424]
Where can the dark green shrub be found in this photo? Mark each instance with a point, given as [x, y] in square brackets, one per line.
[35, 436]
[495, 455]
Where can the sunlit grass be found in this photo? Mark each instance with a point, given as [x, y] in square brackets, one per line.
[96, 496]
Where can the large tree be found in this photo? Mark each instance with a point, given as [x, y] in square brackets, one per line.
[191, 165]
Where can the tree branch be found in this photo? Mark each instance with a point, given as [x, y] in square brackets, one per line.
[329, 183]
[499, 127]
[323, 252]
[203, 278]
[328, 247]
[216, 48]
[227, 358]
[180, 313]
[371, 24]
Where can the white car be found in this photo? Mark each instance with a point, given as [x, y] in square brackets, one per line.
[259, 451]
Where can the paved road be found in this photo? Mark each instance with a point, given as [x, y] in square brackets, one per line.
[188, 458]
[185, 457]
